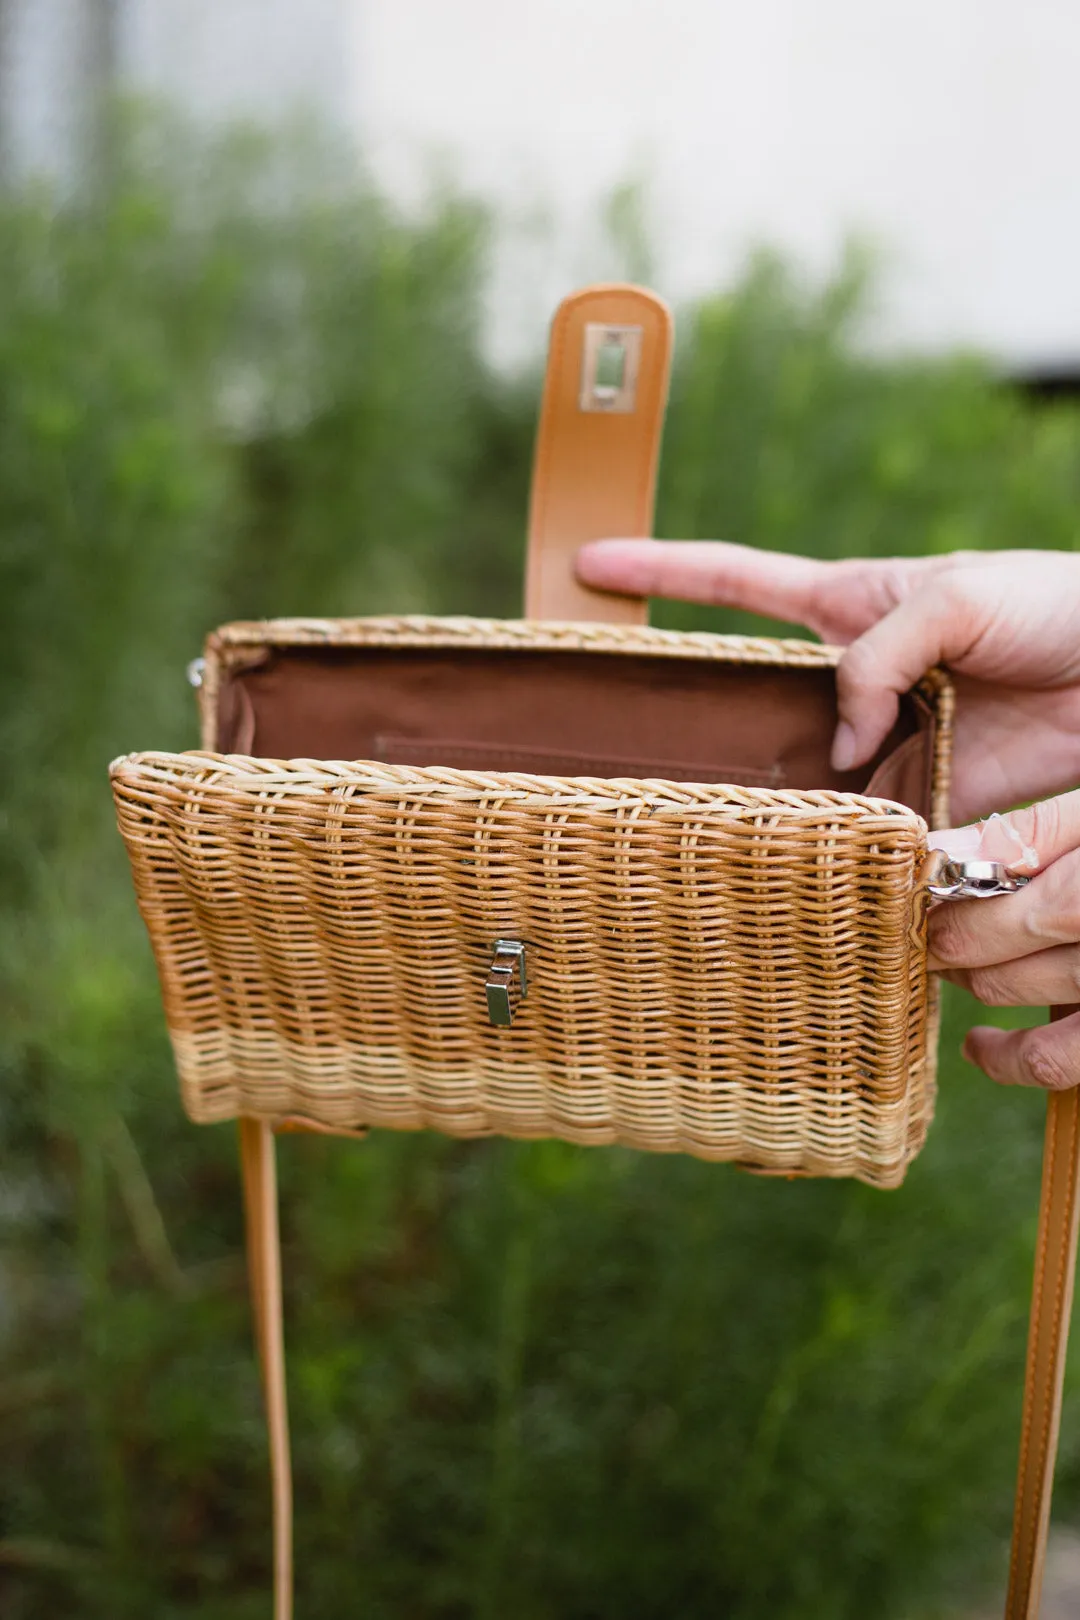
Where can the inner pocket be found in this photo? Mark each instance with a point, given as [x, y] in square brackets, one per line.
[495, 756]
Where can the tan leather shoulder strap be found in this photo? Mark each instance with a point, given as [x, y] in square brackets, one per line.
[1048, 1335]
[259, 1169]
[597, 444]
[594, 474]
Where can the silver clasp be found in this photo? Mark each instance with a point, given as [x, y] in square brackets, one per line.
[973, 880]
[507, 982]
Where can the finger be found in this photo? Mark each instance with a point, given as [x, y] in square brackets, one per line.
[1026, 840]
[936, 624]
[1048, 1056]
[1044, 979]
[984, 933]
[711, 571]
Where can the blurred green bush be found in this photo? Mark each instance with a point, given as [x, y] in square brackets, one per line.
[533, 1381]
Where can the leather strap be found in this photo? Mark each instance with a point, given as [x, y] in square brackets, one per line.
[594, 468]
[259, 1170]
[1048, 1335]
[594, 475]
[1051, 1304]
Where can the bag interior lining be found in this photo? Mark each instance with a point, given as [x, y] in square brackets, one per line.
[566, 714]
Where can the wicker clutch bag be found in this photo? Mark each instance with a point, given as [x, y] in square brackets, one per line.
[585, 880]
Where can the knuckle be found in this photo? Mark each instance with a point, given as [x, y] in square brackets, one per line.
[1051, 917]
[954, 593]
[1047, 1069]
[991, 987]
[866, 665]
[884, 583]
[851, 670]
[947, 940]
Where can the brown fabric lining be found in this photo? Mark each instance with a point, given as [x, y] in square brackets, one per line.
[469, 756]
[564, 713]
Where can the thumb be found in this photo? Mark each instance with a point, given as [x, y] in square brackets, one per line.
[1026, 840]
[936, 624]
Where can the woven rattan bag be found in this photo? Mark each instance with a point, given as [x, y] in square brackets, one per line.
[565, 877]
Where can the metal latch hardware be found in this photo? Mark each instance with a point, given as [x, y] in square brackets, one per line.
[507, 982]
[609, 368]
[973, 880]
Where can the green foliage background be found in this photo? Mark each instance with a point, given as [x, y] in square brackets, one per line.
[528, 1381]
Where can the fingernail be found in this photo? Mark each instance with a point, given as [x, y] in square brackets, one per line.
[1002, 841]
[969, 1048]
[958, 843]
[978, 1049]
[844, 747]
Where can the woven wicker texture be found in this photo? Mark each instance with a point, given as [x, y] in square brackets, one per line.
[730, 972]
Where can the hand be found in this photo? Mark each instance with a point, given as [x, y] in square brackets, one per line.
[1024, 949]
[1006, 623]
